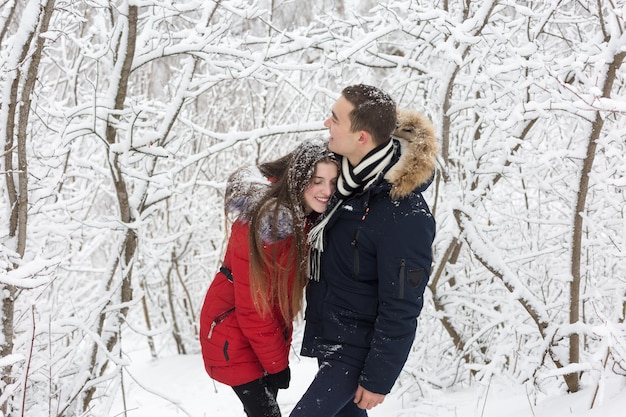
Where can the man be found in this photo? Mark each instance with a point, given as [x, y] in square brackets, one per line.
[371, 254]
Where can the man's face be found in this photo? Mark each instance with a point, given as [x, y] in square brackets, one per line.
[342, 140]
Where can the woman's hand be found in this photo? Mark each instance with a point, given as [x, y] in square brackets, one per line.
[279, 380]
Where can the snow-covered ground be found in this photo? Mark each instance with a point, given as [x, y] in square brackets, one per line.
[177, 385]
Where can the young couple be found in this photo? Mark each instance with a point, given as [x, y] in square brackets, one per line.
[364, 262]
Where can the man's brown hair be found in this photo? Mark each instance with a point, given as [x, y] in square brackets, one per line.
[374, 111]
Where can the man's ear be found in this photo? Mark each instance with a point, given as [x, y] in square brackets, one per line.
[365, 137]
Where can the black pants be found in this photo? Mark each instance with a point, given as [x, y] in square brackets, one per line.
[331, 393]
[258, 399]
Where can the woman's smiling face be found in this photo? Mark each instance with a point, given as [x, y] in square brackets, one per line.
[321, 186]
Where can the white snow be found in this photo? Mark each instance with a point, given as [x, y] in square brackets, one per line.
[177, 385]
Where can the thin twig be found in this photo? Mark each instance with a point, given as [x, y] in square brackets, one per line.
[30, 358]
[595, 393]
[160, 395]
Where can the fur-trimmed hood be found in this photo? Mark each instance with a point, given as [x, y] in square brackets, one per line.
[419, 148]
[245, 188]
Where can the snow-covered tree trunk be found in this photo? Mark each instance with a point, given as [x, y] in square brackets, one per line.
[112, 317]
[22, 65]
[612, 51]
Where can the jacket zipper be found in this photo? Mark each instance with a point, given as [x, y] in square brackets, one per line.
[220, 318]
[355, 245]
[401, 277]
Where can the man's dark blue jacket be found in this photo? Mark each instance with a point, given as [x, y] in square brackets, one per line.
[375, 265]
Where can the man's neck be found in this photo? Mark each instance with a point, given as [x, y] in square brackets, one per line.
[358, 156]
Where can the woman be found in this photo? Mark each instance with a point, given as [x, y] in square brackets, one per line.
[246, 319]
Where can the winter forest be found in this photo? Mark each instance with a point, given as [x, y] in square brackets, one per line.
[120, 120]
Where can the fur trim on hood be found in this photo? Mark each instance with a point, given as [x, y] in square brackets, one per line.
[419, 148]
[244, 190]
[246, 186]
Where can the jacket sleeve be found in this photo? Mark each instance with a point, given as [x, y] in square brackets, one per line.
[266, 334]
[403, 261]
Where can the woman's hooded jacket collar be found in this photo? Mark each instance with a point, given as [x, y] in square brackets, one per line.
[244, 190]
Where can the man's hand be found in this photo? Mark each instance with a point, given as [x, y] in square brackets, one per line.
[366, 400]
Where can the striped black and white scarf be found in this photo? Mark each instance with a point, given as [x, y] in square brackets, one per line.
[350, 180]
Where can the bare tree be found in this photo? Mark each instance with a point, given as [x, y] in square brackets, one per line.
[15, 112]
[612, 30]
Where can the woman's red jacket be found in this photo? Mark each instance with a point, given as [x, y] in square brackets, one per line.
[238, 344]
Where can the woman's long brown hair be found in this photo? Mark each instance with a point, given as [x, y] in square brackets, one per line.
[269, 280]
